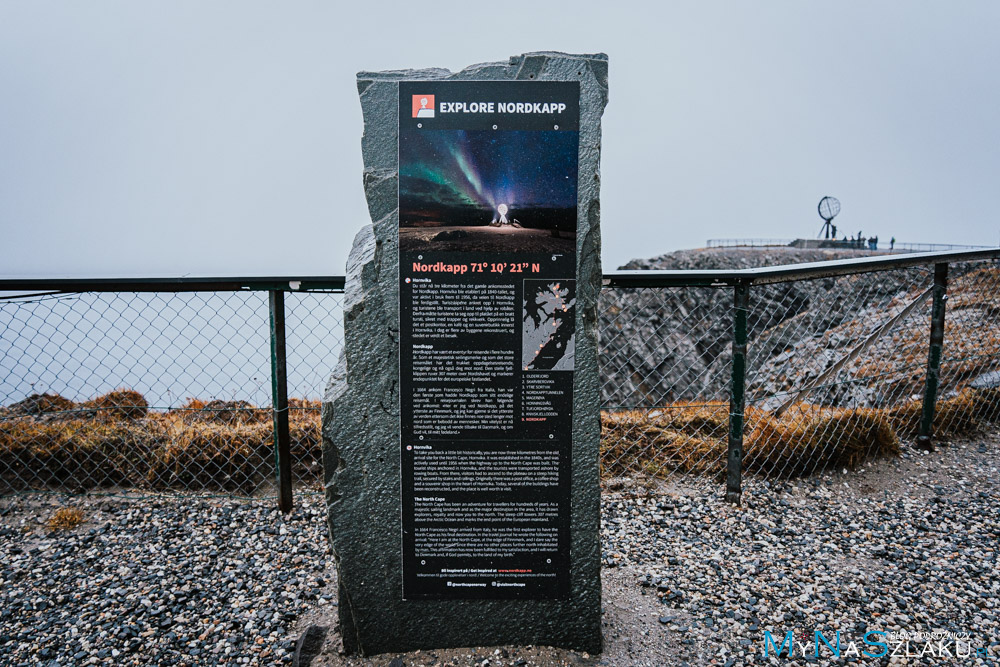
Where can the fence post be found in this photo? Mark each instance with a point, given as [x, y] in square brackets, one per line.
[934, 356]
[279, 401]
[734, 463]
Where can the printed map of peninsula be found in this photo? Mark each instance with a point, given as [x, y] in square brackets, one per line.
[549, 325]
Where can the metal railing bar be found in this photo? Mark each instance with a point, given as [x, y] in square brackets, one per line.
[635, 278]
[287, 284]
[787, 272]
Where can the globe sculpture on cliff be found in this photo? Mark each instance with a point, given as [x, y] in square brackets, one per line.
[828, 209]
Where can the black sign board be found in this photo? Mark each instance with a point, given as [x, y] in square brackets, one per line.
[487, 270]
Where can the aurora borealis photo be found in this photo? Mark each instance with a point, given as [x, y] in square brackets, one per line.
[461, 177]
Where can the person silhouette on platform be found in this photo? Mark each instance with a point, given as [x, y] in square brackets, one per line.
[892, 242]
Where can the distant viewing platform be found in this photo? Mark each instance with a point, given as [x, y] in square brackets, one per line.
[884, 246]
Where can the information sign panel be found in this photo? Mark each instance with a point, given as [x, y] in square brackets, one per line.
[488, 175]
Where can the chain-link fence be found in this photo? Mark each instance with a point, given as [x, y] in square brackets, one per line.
[159, 390]
[778, 372]
[835, 364]
[823, 383]
[666, 357]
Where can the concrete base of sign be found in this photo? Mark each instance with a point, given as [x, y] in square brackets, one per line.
[361, 437]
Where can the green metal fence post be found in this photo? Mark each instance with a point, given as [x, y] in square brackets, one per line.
[279, 401]
[734, 463]
[934, 356]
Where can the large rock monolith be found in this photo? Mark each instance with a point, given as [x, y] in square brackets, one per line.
[461, 427]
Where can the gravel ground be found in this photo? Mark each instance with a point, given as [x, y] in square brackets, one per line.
[157, 581]
[903, 546]
[906, 545]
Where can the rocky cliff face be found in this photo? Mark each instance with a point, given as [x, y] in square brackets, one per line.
[672, 345]
[739, 258]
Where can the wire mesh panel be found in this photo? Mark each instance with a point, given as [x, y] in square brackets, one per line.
[969, 388]
[151, 390]
[665, 367]
[314, 330]
[836, 370]
[834, 363]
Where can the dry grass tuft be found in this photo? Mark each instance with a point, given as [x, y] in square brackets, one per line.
[957, 415]
[811, 439]
[118, 404]
[193, 404]
[66, 518]
[238, 454]
[236, 413]
[38, 404]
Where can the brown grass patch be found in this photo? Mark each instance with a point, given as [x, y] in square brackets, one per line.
[66, 518]
[155, 451]
[808, 438]
[172, 450]
[238, 454]
[683, 437]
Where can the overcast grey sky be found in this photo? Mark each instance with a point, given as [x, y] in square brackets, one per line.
[223, 138]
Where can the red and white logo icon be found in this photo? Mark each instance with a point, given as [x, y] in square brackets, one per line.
[423, 106]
